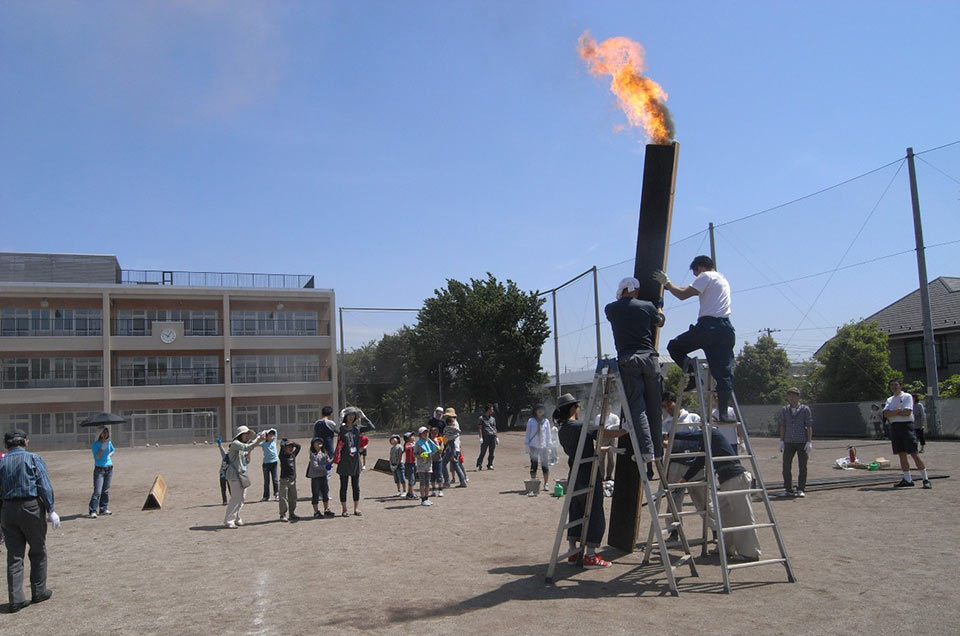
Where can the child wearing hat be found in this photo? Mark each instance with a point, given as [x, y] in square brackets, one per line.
[396, 464]
[318, 471]
[424, 450]
[288, 478]
[436, 474]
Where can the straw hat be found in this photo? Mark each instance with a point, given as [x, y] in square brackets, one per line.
[241, 430]
[450, 412]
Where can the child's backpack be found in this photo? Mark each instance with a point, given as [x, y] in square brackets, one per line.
[224, 464]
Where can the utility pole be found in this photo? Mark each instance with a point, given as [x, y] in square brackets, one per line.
[556, 343]
[929, 348]
[596, 311]
[713, 247]
[343, 366]
[440, 381]
[768, 331]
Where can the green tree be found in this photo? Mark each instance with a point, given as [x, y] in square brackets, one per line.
[485, 337]
[760, 374]
[856, 365]
[811, 381]
[950, 388]
[673, 379]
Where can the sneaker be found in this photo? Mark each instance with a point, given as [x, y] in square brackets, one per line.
[239, 522]
[294, 517]
[788, 493]
[460, 486]
[479, 467]
[106, 512]
[426, 502]
[92, 515]
[265, 499]
[329, 514]
[283, 518]
[276, 497]
[903, 483]
[439, 493]
[40, 598]
[529, 494]
[410, 495]
[801, 494]
[594, 562]
[572, 559]
[230, 525]
[489, 467]
[927, 485]
[317, 514]
[433, 493]
[921, 450]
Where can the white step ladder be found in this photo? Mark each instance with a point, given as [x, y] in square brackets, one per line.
[605, 380]
[743, 450]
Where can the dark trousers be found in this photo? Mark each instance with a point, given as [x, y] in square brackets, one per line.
[487, 442]
[270, 472]
[319, 490]
[355, 482]
[921, 437]
[789, 450]
[224, 488]
[640, 374]
[716, 336]
[598, 524]
[23, 523]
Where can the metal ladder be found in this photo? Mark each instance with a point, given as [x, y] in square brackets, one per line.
[606, 377]
[710, 481]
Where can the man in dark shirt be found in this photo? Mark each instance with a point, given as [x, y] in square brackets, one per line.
[633, 322]
[488, 436]
[287, 457]
[27, 498]
[326, 429]
[437, 421]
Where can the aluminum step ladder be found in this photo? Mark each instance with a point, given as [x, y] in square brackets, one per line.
[606, 380]
[744, 451]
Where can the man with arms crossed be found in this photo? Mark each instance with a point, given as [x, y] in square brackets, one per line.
[713, 332]
[899, 412]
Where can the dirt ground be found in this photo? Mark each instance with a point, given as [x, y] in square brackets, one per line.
[868, 559]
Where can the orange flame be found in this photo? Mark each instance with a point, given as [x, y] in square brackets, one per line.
[640, 98]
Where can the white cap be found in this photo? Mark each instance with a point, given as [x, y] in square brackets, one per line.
[627, 284]
[421, 430]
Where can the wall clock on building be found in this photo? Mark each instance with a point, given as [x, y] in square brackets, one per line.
[168, 335]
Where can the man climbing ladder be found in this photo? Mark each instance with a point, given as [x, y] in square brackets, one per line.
[714, 333]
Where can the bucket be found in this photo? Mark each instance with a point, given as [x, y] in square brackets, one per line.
[531, 486]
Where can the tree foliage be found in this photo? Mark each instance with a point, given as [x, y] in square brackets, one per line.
[950, 388]
[856, 365]
[673, 379]
[811, 381]
[760, 374]
[481, 340]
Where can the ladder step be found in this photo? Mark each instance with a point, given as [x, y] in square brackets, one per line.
[574, 524]
[685, 484]
[568, 554]
[683, 513]
[731, 458]
[588, 460]
[577, 493]
[745, 491]
[750, 564]
[679, 563]
[674, 456]
[752, 526]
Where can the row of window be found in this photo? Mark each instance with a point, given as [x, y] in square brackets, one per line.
[139, 322]
[50, 322]
[265, 416]
[46, 373]
[35, 424]
[167, 370]
[201, 419]
[252, 369]
[947, 352]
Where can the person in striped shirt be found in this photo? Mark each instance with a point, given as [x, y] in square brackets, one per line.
[27, 497]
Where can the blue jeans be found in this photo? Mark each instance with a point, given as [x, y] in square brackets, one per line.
[270, 473]
[398, 476]
[101, 488]
[716, 336]
[640, 374]
[453, 458]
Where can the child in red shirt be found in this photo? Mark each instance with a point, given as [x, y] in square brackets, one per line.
[409, 463]
[364, 442]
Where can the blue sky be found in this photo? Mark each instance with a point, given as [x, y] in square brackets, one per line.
[386, 147]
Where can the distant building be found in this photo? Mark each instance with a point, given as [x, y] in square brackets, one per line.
[184, 356]
[902, 321]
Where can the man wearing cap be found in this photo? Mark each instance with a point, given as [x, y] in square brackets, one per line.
[796, 438]
[27, 497]
[634, 322]
[713, 332]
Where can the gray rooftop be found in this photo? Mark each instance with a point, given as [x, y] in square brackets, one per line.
[904, 316]
[16, 267]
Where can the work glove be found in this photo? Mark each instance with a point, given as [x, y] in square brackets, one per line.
[781, 446]
[54, 519]
[219, 440]
[661, 277]
[808, 446]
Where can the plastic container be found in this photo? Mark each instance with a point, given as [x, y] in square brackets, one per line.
[558, 489]
[873, 466]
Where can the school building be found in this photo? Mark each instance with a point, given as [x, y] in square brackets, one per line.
[183, 356]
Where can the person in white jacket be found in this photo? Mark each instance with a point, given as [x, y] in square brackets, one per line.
[538, 442]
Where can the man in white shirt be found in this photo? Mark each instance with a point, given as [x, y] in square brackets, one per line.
[714, 333]
[898, 410]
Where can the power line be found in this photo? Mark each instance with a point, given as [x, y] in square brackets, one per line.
[954, 179]
[850, 246]
[923, 152]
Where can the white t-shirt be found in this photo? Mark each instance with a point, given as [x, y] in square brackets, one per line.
[685, 418]
[714, 294]
[729, 432]
[897, 402]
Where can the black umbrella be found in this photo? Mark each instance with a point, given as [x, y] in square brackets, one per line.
[102, 419]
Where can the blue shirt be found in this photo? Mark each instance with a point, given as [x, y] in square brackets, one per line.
[269, 452]
[23, 475]
[104, 460]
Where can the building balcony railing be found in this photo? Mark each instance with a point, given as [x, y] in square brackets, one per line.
[170, 377]
[215, 279]
[258, 375]
[144, 326]
[29, 327]
[55, 382]
[281, 327]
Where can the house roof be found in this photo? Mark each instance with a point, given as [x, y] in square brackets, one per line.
[904, 316]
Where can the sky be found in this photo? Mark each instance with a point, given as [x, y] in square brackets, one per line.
[386, 147]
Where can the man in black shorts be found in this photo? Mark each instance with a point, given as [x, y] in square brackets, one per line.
[898, 410]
